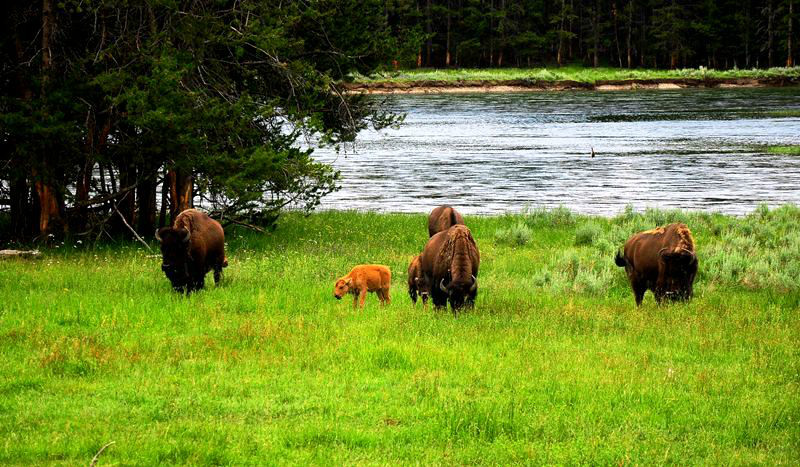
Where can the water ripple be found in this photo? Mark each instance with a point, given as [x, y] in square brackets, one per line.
[495, 153]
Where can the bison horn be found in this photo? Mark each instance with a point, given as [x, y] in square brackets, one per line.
[158, 236]
[187, 236]
[441, 286]
[474, 284]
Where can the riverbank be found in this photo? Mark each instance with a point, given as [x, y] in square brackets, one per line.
[554, 366]
[566, 79]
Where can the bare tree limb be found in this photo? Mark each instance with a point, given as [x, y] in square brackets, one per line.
[124, 221]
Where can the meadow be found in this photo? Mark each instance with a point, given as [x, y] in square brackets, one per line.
[574, 73]
[554, 366]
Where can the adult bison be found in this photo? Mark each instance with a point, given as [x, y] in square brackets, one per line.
[194, 245]
[662, 260]
[416, 281]
[450, 264]
[442, 218]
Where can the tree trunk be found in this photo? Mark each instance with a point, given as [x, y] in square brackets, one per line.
[162, 216]
[630, 32]
[50, 209]
[126, 203]
[747, 36]
[19, 206]
[561, 33]
[596, 60]
[146, 208]
[447, 52]
[428, 31]
[181, 184]
[789, 57]
[616, 32]
[643, 42]
[50, 203]
[770, 15]
[572, 10]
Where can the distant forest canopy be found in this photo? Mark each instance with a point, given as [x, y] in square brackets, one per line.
[718, 34]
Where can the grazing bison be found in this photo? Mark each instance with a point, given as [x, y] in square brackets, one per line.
[416, 281]
[194, 245]
[442, 218]
[362, 279]
[450, 264]
[662, 260]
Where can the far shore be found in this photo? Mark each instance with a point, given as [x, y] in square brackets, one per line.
[534, 85]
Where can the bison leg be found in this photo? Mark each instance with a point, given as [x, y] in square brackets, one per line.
[413, 294]
[638, 292]
[362, 298]
[217, 274]
[386, 296]
[382, 299]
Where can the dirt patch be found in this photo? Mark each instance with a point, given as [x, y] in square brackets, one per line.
[524, 85]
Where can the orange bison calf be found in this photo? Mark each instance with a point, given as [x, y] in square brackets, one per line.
[662, 260]
[362, 279]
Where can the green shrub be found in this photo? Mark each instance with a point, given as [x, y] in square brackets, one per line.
[587, 234]
[560, 216]
[517, 234]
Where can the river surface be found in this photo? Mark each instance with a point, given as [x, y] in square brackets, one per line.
[495, 153]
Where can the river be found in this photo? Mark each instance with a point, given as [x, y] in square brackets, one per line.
[495, 153]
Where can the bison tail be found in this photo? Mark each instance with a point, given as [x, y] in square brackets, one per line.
[620, 260]
[453, 218]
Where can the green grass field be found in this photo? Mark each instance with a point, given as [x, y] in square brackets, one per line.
[574, 73]
[554, 366]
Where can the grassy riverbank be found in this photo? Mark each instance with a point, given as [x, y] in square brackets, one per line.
[571, 73]
[554, 366]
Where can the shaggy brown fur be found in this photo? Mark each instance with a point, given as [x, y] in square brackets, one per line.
[416, 282]
[442, 218]
[362, 279]
[662, 260]
[450, 263]
[194, 245]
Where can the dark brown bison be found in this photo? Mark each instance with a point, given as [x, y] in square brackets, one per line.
[442, 218]
[450, 264]
[417, 285]
[662, 260]
[194, 245]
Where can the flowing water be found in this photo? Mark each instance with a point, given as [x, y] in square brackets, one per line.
[494, 153]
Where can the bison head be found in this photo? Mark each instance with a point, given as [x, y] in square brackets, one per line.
[459, 291]
[342, 287]
[677, 274]
[175, 257]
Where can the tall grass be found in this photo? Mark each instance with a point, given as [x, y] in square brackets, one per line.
[554, 366]
[575, 73]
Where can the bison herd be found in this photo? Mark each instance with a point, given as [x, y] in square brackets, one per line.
[662, 260]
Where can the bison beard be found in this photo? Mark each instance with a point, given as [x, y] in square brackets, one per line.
[193, 246]
[662, 260]
[450, 263]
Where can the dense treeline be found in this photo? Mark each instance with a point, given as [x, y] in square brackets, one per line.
[117, 114]
[623, 33]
